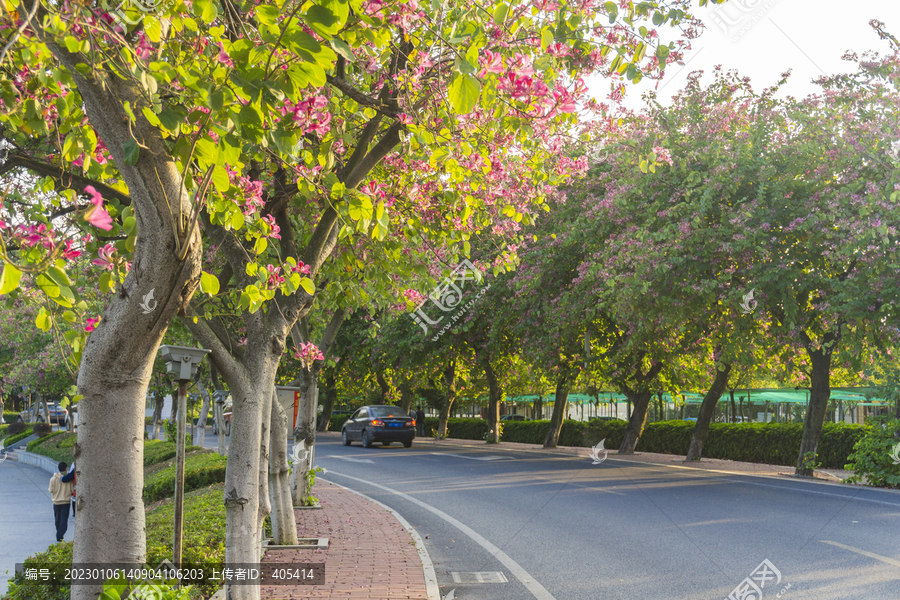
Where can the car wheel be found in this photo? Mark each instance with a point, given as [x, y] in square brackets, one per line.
[345, 438]
[367, 441]
[407, 444]
[227, 428]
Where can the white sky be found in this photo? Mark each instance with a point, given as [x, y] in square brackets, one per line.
[763, 38]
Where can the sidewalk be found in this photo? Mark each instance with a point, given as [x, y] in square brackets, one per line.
[371, 555]
[26, 516]
[706, 464]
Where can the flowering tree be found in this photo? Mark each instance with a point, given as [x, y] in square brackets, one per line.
[262, 121]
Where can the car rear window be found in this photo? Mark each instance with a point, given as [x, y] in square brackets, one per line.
[387, 411]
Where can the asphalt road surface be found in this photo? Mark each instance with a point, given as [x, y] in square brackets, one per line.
[563, 528]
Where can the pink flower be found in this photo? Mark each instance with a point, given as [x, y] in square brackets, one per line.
[308, 354]
[491, 62]
[106, 259]
[223, 56]
[98, 217]
[68, 253]
[91, 324]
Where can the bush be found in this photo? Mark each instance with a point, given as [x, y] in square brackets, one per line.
[13, 438]
[16, 428]
[157, 451]
[42, 429]
[25, 589]
[203, 535]
[876, 455]
[10, 417]
[200, 469]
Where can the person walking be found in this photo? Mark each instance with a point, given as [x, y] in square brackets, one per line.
[61, 494]
[420, 421]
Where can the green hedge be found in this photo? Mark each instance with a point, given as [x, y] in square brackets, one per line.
[771, 443]
[15, 438]
[157, 451]
[58, 446]
[200, 469]
[203, 535]
[10, 417]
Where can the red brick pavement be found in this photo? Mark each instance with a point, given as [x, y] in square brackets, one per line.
[370, 555]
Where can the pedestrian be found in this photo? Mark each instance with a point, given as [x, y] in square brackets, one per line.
[420, 421]
[61, 494]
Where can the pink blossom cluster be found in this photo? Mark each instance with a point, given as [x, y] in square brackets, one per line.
[309, 115]
[308, 353]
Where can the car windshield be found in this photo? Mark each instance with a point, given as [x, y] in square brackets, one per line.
[386, 411]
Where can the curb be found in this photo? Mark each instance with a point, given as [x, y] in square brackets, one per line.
[36, 460]
[431, 586]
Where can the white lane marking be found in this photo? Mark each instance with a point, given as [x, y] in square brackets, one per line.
[536, 589]
[473, 457]
[356, 460]
[883, 559]
[431, 585]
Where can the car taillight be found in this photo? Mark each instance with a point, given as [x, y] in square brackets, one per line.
[413, 422]
[377, 423]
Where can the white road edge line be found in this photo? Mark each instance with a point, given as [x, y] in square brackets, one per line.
[883, 559]
[431, 585]
[530, 583]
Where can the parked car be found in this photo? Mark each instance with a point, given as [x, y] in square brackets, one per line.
[514, 418]
[379, 423]
[58, 415]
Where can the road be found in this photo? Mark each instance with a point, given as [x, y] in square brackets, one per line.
[567, 529]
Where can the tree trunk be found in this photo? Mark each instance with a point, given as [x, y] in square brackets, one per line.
[304, 436]
[204, 411]
[539, 409]
[638, 420]
[707, 408]
[46, 409]
[330, 398]
[383, 386]
[560, 404]
[218, 411]
[406, 397]
[733, 408]
[158, 401]
[284, 526]
[493, 404]
[819, 393]
[662, 414]
[443, 416]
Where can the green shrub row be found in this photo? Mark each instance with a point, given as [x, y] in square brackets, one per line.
[200, 469]
[58, 446]
[876, 456]
[771, 443]
[10, 417]
[157, 451]
[15, 437]
[203, 539]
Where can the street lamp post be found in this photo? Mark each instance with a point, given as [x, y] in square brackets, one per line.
[183, 363]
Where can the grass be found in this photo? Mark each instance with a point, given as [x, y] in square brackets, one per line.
[200, 469]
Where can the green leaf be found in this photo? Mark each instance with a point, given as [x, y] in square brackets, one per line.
[260, 246]
[221, 181]
[9, 280]
[237, 220]
[546, 38]
[308, 286]
[47, 286]
[267, 14]
[500, 13]
[43, 321]
[106, 283]
[209, 283]
[132, 152]
[464, 93]
[343, 49]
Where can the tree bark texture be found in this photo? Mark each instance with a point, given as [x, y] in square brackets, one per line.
[560, 405]
[304, 436]
[539, 409]
[641, 403]
[707, 408]
[158, 401]
[819, 393]
[449, 380]
[495, 393]
[329, 401]
[204, 411]
[284, 526]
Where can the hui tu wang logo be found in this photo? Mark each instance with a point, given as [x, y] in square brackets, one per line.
[448, 296]
[596, 450]
[146, 303]
[748, 304]
[300, 453]
[895, 453]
